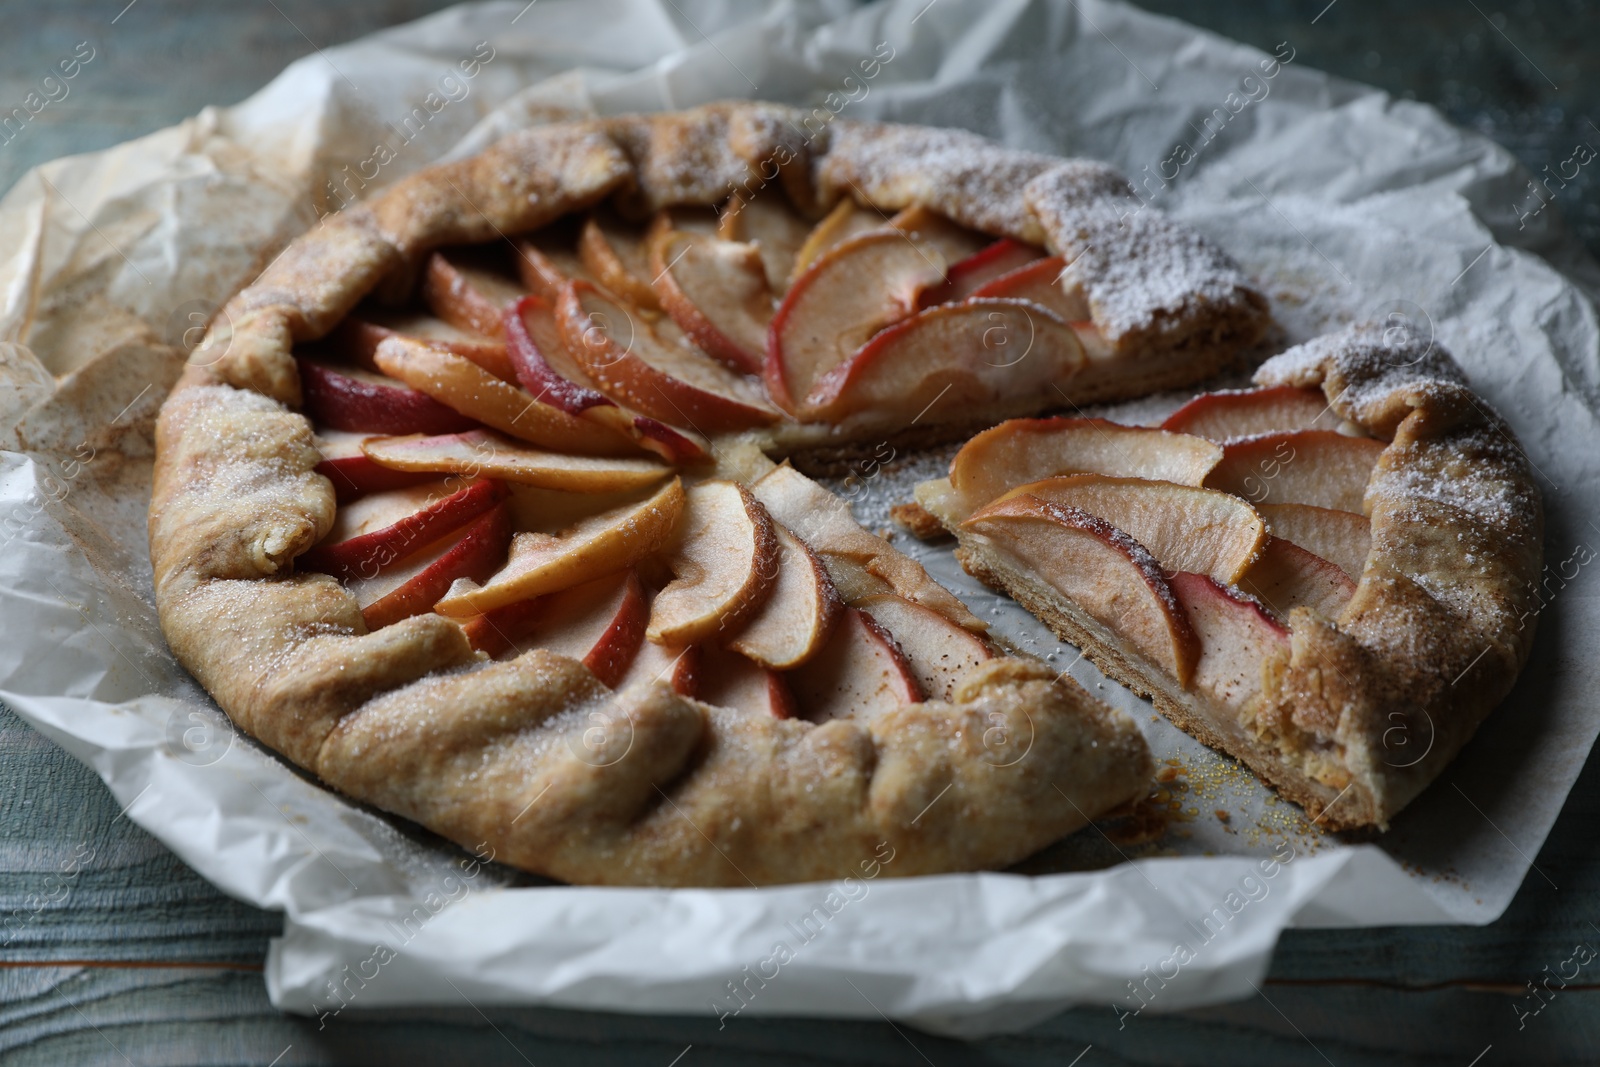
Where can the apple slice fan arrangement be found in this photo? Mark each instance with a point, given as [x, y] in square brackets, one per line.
[484, 503]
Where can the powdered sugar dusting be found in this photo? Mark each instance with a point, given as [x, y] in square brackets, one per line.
[959, 174]
[1367, 364]
[1143, 272]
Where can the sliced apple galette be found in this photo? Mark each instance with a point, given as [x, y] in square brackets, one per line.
[469, 503]
[1326, 576]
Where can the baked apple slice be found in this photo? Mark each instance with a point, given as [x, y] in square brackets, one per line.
[847, 221]
[1019, 451]
[615, 254]
[596, 546]
[1230, 413]
[483, 453]
[859, 674]
[1041, 282]
[929, 229]
[1183, 527]
[678, 667]
[361, 401]
[600, 623]
[464, 290]
[859, 563]
[968, 276]
[548, 260]
[938, 650]
[716, 291]
[1237, 637]
[982, 351]
[799, 614]
[354, 475]
[839, 303]
[728, 680]
[1098, 569]
[546, 369]
[416, 585]
[1343, 538]
[1317, 467]
[469, 389]
[724, 559]
[767, 221]
[361, 332]
[653, 368]
[1288, 577]
[381, 529]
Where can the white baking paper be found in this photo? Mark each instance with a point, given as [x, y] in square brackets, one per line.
[1346, 204]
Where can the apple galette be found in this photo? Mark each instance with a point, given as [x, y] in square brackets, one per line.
[1328, 576]
[468, 505]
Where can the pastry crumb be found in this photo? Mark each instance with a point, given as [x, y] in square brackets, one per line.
[917, 521]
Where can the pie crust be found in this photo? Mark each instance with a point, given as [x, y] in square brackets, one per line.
[533, 756]
[1361, 709]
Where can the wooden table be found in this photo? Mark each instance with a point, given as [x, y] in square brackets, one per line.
[128, 957]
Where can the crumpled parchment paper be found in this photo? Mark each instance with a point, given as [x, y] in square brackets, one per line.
[1346, 204]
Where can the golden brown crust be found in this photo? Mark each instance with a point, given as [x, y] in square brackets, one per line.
[1436, 633]
[699, 795]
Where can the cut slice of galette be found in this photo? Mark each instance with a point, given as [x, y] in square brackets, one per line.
[1327, 576]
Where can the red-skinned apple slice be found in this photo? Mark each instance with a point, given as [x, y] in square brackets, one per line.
[542, 363]
[468, 388]
[968, 276]
[477, 552]
[1100, 569]
[859, 563]
[1317, 467]
[1237, 636]
[547, 370]
[1287, 577]
[354, 475]
[728, 680]
[981, 351]
[939, 651]
[847, 221]
[548, 260]
[1232, 413]
[469, 294]
[776, 229]
[615, 254]
[360, 401]
[599, 545]
[1343, 538]
[679, 667]
[952, 241]
[716, 291]
[360, 334]
[651, 368]
[839, 303]
[1183, 527]
[381, 529]
[1040, 283]
[859, 674]
[483, 453]
[799, 614]
[600, 623]
[724, 558]
[1019, 451]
